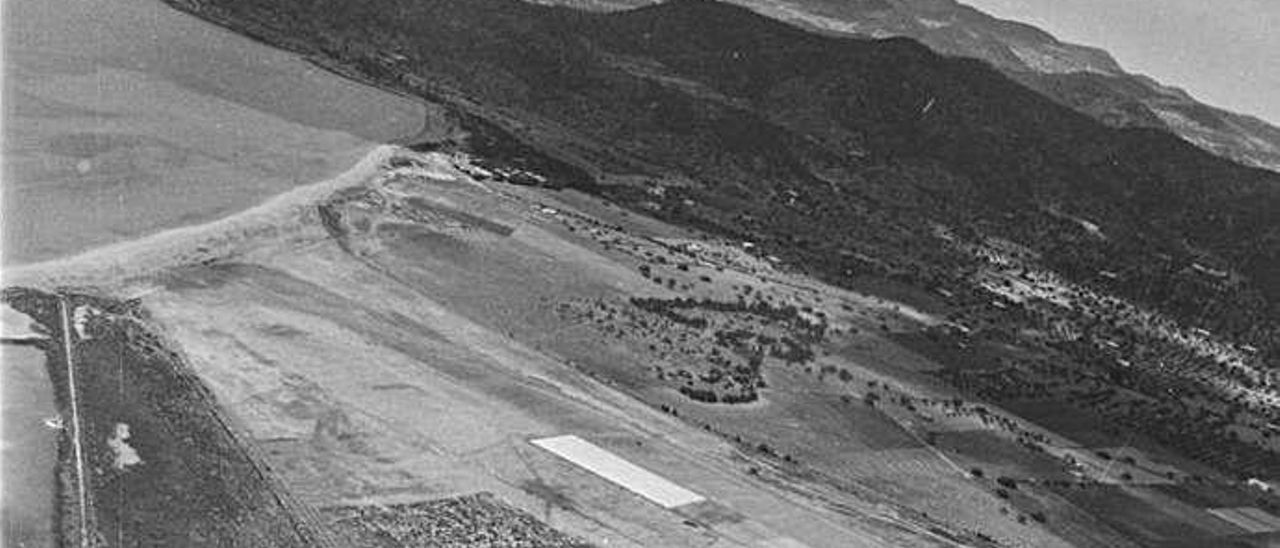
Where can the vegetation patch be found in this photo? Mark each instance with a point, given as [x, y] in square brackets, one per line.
[480, 520]
[711, 351]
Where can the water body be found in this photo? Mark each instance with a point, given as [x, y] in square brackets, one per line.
[127, 117]
[28, 448]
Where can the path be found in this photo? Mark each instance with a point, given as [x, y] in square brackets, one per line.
[75, 420]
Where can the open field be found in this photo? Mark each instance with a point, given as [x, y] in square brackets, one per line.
[286, 335]
[1151, 520]
[998, 456]
[1084, 427]
[287, 363]
[402, 336]
[332, 352]
[126, 118]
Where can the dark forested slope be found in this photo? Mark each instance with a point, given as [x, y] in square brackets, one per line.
[838, 155]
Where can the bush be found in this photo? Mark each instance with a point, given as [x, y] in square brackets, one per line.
[699, 394]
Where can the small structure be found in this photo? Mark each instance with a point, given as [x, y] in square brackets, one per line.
[1260, 485]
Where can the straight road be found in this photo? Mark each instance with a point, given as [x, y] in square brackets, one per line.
[67, 346]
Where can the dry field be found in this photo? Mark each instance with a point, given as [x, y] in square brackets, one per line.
[397, 338]
[413, 358]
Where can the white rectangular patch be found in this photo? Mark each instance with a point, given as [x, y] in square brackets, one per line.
[613, 468]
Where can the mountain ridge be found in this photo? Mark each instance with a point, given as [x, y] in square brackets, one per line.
[1082, 77]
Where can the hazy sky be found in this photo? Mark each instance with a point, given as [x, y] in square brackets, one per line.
[1224, 52]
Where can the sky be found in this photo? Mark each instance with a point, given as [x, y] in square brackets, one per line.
[1224, 52]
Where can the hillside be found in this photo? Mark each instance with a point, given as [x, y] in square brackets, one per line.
[759, 129]
[1083, 78]
[848, 159]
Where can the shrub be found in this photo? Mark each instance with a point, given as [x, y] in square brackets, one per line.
[699, 394]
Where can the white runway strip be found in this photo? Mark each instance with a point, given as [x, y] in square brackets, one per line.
[613, 468]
